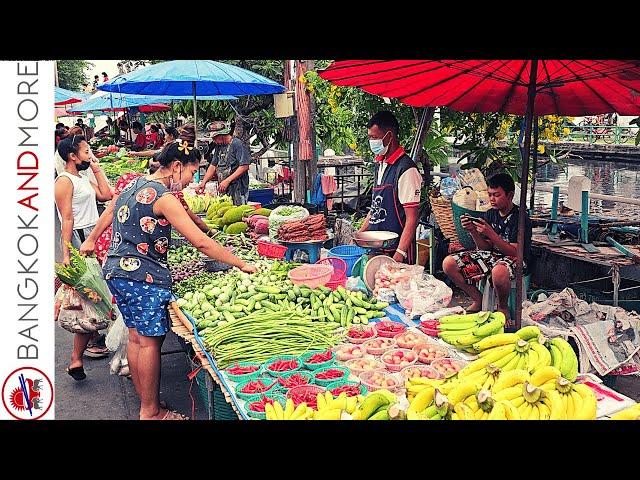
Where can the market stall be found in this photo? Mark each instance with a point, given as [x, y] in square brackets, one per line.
[280, 346]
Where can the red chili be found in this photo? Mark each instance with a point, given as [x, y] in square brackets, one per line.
[330, 374]
[320, 357]
[350, 390]
[238, 370]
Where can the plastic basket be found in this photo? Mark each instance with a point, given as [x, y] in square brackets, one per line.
[328, 381]
[271, 250]
[261, 195]
[365, 377]
[247, 376]
[349, 253]
[281, 357]
[317, 366]
[342, 383]
[250, 397]
[313, 276]
[339, 277]
[313, 390]
[278, 397]
[284, 376]
[215, 404]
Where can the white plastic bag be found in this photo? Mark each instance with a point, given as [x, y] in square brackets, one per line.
[422, 295]
[117, 341]
[75, 314]
[285, 214]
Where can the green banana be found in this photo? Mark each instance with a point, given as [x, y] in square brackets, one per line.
[569, 365]
[544, 357]
[556, 355]
[496, 341]
[446, 327]
[467, 340]
[489, 328]
[371, 404]
[471, 317]
[527, 333]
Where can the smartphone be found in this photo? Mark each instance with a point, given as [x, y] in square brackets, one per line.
[474, 219]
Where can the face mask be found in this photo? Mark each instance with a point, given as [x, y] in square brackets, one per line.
[377, 145]
[176, 186]
[83, 166]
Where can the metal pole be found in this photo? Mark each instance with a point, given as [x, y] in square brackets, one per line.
[195, 115]
[584, 217]
[523, 189]
[554, 208]
[535, 164]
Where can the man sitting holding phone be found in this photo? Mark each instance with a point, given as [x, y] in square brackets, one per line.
[496, 236]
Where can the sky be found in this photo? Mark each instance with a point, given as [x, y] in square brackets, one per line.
[109, 66]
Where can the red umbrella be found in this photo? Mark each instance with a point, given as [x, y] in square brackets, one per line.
[565, 87]
[154, 107]
[520, 87]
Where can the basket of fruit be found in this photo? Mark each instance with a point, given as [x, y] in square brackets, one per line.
[428, 352]
[448, 366]
[325, 376]
[409, 339]
[430, 327]
[359, 365]
[397, 359]
[317, 359]
[423, 371]
[378, 379]
[388, 328]
[347, 352]
[377, 346]
[361, 333]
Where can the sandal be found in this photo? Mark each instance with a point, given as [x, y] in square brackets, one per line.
[77, 373]
[173, 415]
[96, 352]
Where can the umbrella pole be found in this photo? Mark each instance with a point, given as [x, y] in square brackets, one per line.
[195, 114]
[523, 189]
[535, 164]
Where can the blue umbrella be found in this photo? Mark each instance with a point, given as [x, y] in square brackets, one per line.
[192, 77]
[104, 101]
[64, 96]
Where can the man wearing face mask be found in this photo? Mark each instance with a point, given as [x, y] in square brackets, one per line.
[396, 191]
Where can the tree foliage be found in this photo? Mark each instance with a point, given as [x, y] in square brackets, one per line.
[71, 74]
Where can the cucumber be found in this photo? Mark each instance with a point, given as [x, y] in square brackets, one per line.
[269, 290]
[261, 296]
[228, 317]
[291, 295]
[328, 313]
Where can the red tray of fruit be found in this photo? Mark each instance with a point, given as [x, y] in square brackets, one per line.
[388, 328]
[430, 327]
[428, 352]
[361, 333]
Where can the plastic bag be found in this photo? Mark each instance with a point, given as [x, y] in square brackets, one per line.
[449, 186]
[77, 315]
[473, 178]
[117, 341]
[389, 274]
[420, 295]
[284, 214]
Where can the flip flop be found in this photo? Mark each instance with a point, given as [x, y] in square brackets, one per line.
[77, 373]
[173, 415]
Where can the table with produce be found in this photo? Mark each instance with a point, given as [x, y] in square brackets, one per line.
[284, 346]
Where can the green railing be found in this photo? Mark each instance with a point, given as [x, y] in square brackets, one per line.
[607, 134]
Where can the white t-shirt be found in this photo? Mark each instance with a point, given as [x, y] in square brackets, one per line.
[83, 202]
[409, 185]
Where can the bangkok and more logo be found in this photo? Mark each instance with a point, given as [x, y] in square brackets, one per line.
[27, 393]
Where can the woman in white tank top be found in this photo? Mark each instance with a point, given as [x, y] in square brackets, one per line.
[75, 197]
[75, 194]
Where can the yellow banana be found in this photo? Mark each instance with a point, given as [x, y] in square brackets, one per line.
[509, 393]
[510, 379]
[498, 352]
[299, 412]
[496, 341]
[477, 415]
[525, 413]
[279, 411]
[426, 381]
[545, 374]
[523, 362]
[270, 412]
[510, 411]
[328, 414]
[328, 397]
[554, 402]
[570, 406]
[544, 357]
[545, 412]
[488, 383]
[497, 412]
[485, 416]
[631, 413]
[463, 411]
[535, 413]
[532, 359]
[352, 403]
[415, 389]
[321, 402]
[512, 364]
[587, 410]
[462, 391]
[288, 409]
[423, 399]
[518, 402]
[506, 360]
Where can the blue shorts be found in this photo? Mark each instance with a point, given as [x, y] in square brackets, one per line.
[143, 305]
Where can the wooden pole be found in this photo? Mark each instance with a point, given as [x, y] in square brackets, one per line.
[305, 148]
[523, 189]
[535, 164]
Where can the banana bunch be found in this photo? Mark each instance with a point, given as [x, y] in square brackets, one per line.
[525, 393]
[330, 408]
[430, 404]
[631, 413]
[578, 400]
[415, 385]
[377, 406]
[462, 331]
[276, 412]
[483, 406]
[563, 357]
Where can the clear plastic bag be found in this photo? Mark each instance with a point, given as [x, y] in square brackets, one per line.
[389, 274]
[420, 295]
[284, 214]
[76, 314]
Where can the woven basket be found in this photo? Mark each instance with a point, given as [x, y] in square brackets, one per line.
[441, 208]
